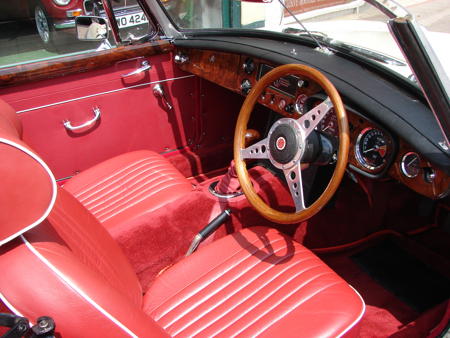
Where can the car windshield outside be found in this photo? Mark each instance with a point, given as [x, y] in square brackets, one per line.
[348, 25]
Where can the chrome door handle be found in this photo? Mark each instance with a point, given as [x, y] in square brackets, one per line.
[68, 125]
[144, 67]
[158, 91]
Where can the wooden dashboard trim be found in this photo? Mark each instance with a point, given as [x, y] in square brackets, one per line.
[225, 69]
[438, 188]
[65, 65]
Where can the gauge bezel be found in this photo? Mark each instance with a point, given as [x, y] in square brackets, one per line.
[330, 114]
[402, 164]
[300, 106]
[358, 154]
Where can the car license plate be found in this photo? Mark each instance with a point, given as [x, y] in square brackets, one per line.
[130, 20]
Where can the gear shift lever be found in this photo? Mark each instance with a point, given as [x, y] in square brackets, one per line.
[229, 183]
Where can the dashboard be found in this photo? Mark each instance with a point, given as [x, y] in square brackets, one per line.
[375, 150]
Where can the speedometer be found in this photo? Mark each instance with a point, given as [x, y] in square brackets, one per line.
[371, 148]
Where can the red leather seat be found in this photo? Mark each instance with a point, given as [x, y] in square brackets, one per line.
[127, 186]
[256, 282]
[121, 188]
[58, 260]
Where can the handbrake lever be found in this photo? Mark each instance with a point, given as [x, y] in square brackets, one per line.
[208, 230]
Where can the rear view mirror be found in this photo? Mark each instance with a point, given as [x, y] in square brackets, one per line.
[91, 28]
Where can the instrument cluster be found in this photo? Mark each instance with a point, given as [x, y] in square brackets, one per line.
[287, 96]
[372, 148]
[374, 151]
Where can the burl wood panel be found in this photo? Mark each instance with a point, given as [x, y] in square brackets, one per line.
[220, 68]
[78, 63]
[225, 69]
[436, 189]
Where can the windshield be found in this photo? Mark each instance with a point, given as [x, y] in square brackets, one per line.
[353, 25]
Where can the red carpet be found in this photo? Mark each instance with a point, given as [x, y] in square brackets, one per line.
[157, 241]
[386, 315]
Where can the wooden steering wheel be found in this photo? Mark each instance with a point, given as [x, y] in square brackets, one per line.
[285, 143]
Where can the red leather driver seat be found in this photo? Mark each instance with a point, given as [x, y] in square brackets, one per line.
[57, 259]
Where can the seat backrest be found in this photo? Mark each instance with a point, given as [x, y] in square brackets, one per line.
[59, 261]
[10, 124]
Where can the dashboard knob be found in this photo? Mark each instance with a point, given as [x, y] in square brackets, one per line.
[181, 58]
[289, 109]
[429, 175]
[248, 66]
[246, 86]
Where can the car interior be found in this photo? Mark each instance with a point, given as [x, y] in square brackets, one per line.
[238, 186]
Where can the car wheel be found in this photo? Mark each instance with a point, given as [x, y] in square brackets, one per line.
[44, 26]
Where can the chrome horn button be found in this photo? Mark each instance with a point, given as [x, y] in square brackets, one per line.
[285, 143]
[280, 143]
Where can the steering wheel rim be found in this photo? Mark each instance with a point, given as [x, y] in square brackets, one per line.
[303, 129]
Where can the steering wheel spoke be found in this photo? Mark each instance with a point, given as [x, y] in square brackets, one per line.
[257, 150]
[286, 145]
[294, 180]
[309, 121]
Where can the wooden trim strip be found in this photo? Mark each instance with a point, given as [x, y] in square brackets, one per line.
[79, 63]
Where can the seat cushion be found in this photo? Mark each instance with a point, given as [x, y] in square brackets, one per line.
[254, 282]
[127, 186]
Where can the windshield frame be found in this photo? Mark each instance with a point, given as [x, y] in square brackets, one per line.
[390, 8]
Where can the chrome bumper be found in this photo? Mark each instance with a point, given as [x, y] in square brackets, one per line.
[64, 24]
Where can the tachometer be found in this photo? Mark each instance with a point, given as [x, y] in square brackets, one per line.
[371, 148]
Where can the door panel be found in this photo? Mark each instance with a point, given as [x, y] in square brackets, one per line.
[131, 116]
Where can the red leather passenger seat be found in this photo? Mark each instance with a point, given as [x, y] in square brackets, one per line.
[127, 186]
[256, 282]
[121, 188]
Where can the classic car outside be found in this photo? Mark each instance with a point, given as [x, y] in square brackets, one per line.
[248, 168]
[55, 19]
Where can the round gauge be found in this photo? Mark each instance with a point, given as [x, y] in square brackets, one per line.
[300, 104]
[371, 148]
[329, 124]
[410, 164]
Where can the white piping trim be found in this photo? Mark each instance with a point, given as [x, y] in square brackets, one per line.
[102, 93]
[10, 306]
[52, 178]
[76, 288]
[359, 317]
